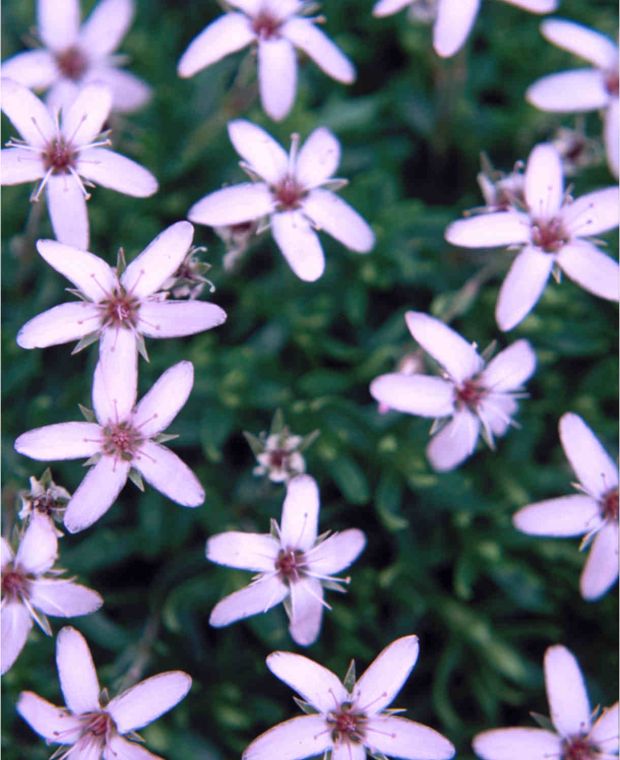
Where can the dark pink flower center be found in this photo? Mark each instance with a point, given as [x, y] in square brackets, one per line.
[549, 235]
[97, 724]
[579, 748]
[470, 394]
[121, 440]
[266, 26]
[59, 156]
[72, 63]
[289, 193]
[611, 82]
[347, 724]
[15, 583]
[610, 504]
[121, 309]
[290, 564]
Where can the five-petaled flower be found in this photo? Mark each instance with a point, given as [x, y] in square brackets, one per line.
[293, 192]
[277, 27]
[593, 511]
[67, 156]
[350, 720]
[75, 56]
[552, 232]
[571, 735]
[32, 589]
[470, 397]
[292, 565]
[125, 436]
[88, 727]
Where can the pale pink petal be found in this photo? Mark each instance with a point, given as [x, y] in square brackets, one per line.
[305, 35]
[83, 120]
[251, 7]
[299, 244]
[455, 19]
[496, 410]
[76, 671]
[565, 516]
[489, 230]
[15, 625]
[387, 7]
[601, 570]
[47, 720]
[544, 182]
[62, 598]
[307, 611]
[566, 692]
[300, 514]
[61, 324]
[118, 748]
[67, 208]
[116, 172]
[592, 269]
[277, 76]
[58, 22]
[403, 738]
[173, 319]
[517, 744]
[569, 91]
[294, 739]
[593, 213]
[314, 683]
[510, 369]
[168, 474]
[96, 493]
[318, 158]
[535, 6]
[106, 26]
[344, 751]
[61, 94]
[128, 92]
[20, 165]
[233, 205]
[66, 440]
[34, 69]
[386, 675]
[523, 286]
[90, 274]
[336, 552]
[247, 551]
[331, 214]
[254, 599]
[259, 150]
[225, 35]
[115, 382]
[611, 136]
[586, 43]
[165, 399]
[147, 700]
[592, 465]
[38, 548]
[604, 732]
[6, 553]
[414, 394]
[27, 113]
[454, 442]
[457, 356]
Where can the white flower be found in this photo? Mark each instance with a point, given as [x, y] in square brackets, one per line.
[32, 589]
[292, 565]
[67, 157]
[349, 719]
[74, 56]
[292, 192]
[552, 233]
[571, 735]
[44, 501]
[281, 458]
[470, 398]
[454, 19]
[123, 437]
[583, 89]
[88, 728]
[277, 27]
[593, 512]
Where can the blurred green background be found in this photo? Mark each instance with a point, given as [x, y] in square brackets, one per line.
[442, 560]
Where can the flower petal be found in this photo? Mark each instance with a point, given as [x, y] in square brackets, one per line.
[569, 91]
[90, 274]
[592, 465]
[414, 394]
[173, 319]
[455, 442]
[224, 36]
[510, 369]
[604, 732]
[294, 739]
[386, 674]
[83, 120]
[592, 269]
[277, 76]
[544, 182]
[20, 165]
[601, 570]
[61, 324]
[523, 286]
[584, 42]
[489, 230]
[344, 751]
[67, 208]
[27, 113]
[34, 69]
[38, 548]
[58, 22]
[61, 598]
[611, 136]
[165, 400]
[307, 611]
[96, 493]
[300, 514]
[106, 26]
[115, 382]
[305, 35]
[116, 172]
[147, 700]
[336, 552]
[318, 158]
[455, 19]
[76, 671]
[254, 599]
[65, 440]
[128, 91]
[388, 7]
[333, 215]
[259, 150]
[566, 692]
[535, 6]
[403, 738]
[299, 244]
[15, 625]
[233, 205]
[314, 683]
[517, 743]
[118, 748]
[566, 516]
[6, 553]
[168, 474]
[247, 551]
[47, 720]
[593, 213]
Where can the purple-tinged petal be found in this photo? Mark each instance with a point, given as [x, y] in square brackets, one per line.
[295, 739]
[307, 611]
[592, 269]
[331, 214]
[6, 553]
[115, 382]
[593, 213]
[96, 493]
[259, 150]
[38, 549]
[128, 91]
[61, 94]
[76, 671]
[67, 208]
[605, 731]
[246, 551]
[318, 158]
[116, 172]
[586, 43]
[455, 19]
[90, 274]
[83, 120]
[61, 598]
[58, 22]
[106, 26]
[569, 91]
[342, 751]
[65, 440]
[168, 474]
[34, 69]
[53, 723]
[535, 6]
[517, 743]
[61, 324]
[489, 230]
[174, 319]
[510, 369]
[601, 569]
[233, 205]
[251, 7]
[299, 244]
[496, 411]
[305, 35]
[336, 552]
[118, 748]
[300, 514]
[224, 36]
[403, 738]
[414, 394]
[15, 625]
[455, 442]
[386, 674]
[20, 165]
[592, 465]
[165, 399]
[314, 683]
[254, 599]
[277, 76]
[523, 286]
[611, 136]
[27, 113]
[566, 692]
[565, 516]
[544, 182]
[388, 7]
[147, 700]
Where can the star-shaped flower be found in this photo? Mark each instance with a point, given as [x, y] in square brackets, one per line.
[293, 191]
[276, 27]
[349, 719]
[124, 437]
[582, 90]
[571, 733]
[551, 233]
[89, 728]
[593, 511]
[293, 565]
[74, 56]
[470, 398]
[32, 589]
[67, 156]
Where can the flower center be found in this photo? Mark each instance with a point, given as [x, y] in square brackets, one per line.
[470, 394]
[288, 193]
[549, 235]
[59, 156]
[611, 80]
[266, 25]
[72, 63]
[609, 504]
[121, 440]
[346, 724]
[578, 748]
[97, 724]
[14, 584]
[290, 564]
[120, 309]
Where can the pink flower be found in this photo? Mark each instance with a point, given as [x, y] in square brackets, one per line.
[276, 27]
[593, 511]
[88, 728]
[67, 158]
[293, 191]
[349, 719]
[32, 589]
[122, 438]
[583, 89]
[571, 734]
[552, 233]
[470, 398]
[454, 19]
[292, 565]
[74, 56]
